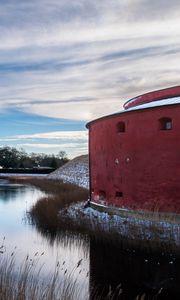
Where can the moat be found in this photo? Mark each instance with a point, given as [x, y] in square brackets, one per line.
[103, 266]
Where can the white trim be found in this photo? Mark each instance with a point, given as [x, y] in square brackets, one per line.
[163, 102]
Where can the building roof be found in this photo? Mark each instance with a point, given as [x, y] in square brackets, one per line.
[154, 96]
[168, 101]
[169, 96]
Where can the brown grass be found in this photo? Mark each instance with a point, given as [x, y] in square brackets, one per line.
[55, 187]
[45, 213]
[50, 214]
[25, 282]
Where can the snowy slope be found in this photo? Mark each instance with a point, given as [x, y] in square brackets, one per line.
[76, 171]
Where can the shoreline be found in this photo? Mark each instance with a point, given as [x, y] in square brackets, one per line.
[136, 230]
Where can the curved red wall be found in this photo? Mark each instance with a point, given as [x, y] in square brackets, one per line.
[138, 168]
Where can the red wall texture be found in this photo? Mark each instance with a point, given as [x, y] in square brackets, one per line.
[140, 167]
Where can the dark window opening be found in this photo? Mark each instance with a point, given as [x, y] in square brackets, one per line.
[102, 195]
[121, 127]
[119, 194]
[165, 124]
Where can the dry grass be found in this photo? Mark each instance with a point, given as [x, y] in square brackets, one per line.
[51, 213]
[68, 192]
[25, 282]
[45, 214]
[59, 195]
[46, 211]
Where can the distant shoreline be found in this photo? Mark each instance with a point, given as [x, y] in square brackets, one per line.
[28, 171]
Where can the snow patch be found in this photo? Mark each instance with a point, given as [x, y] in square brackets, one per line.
[126, 226]
[75, 171]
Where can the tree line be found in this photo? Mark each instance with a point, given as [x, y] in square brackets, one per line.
[10, 157]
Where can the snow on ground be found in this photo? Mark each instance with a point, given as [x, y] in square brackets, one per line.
[76, 171]
[129, 227]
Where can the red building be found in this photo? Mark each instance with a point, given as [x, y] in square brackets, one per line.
[135, 154]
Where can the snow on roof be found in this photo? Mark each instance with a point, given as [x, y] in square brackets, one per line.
[168, 101]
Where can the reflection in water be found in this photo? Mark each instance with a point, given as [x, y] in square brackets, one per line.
[15, 201]
[137, 273]
[109, 265]
[9, 192]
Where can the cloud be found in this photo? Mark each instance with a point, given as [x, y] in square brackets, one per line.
[57, 135]
[73, 142]
[161, 9]
[56, 146]
[82, 59]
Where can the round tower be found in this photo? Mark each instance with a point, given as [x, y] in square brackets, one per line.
[135, 154]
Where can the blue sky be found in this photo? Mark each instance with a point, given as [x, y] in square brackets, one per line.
[64, 63]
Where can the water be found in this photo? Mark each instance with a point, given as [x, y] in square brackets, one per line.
[108, 265]
[156, 276]
[15, 202]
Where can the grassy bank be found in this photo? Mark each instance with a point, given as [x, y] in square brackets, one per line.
[59, 209]
[59, 196]
[54, 212]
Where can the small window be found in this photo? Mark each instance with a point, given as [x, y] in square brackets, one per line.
[119, 194]
[121, 127]
[165, 123]
[102, 195]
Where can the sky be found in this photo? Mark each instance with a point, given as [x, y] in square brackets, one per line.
[66, 62]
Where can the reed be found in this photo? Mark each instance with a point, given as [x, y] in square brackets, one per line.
[45, 213]
[26, 283]
[128, 233]
[147, 233]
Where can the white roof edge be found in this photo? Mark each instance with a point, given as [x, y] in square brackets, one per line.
[163, 102]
